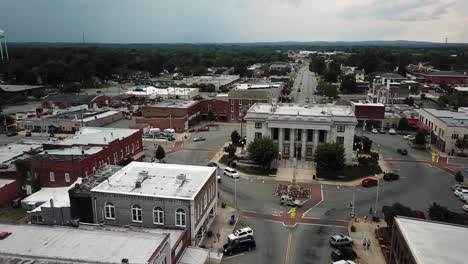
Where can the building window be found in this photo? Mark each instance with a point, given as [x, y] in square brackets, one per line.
[232, 109]
[232, 102]
[299, 135]
[258, 135]
[180, 217]
[36, 219]
[309, 151]
[158, 216]
[136, 213]
[115, 157]
[258, 124]
[232, 116]
[340, 129]
[286, 133]
[205, 200]
[340, 140]
[454, 136]
[52, 176]
[286, 150]
[310, 134]
[321, 135]
[240, 102]
[109, 211]
[67, 177]
[275, 133]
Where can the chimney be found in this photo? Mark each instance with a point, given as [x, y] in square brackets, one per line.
[137, 184]
[51, 203]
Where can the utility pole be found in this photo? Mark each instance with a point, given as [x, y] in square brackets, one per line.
[377, 198]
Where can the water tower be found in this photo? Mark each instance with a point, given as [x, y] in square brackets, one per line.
[3, 39]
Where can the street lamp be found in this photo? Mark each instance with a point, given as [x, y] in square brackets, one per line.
[377, 197]
[235, 193]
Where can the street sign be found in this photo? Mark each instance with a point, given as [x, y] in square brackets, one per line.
[292, 213]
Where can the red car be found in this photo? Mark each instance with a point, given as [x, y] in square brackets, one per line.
[369, 182]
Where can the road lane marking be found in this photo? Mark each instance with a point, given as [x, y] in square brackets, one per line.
[288, 249]
[230, 257]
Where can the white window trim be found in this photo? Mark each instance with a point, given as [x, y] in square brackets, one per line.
[67, 177]
[52, 176]
[137, 209]
[111, 206]
[158, 212]
[184, 215]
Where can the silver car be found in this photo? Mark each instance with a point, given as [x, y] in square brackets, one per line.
[340, 241]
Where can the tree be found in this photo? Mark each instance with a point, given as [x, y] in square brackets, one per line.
[235, 137]
[160, 153]
[231, 150]
[420, 138]
[327, 89]
[318, 66]
[330, 76]
[402, 69]
[459, 177]
[329, 157]
[211, 116]
[9, 120]
[366, 144]
[348, 84]
[403, 124]
[461, 144]
[442, 214]
[262, 151]
[396, 209]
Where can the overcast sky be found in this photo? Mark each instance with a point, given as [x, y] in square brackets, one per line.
[158, 21]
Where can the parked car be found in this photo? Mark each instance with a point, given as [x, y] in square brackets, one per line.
[456, 186]
[460, 192]
[12, 134]
[241, 233]
[239, 245]
[199, 139]
[390, 176]
[392, 131]
[28, 134]
[403, 152]
[369, 182]
[231, 173]
[345, 253]
[382, 131]
[219, 178]
[374, 131]
[465, 208]
[340, 240]
[344, 262]
[409, 137]
[202, 129]
[212, 164]
[290, 201]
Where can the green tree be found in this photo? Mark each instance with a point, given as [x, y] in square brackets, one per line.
[348, 84]
[160, 153]
[442, 214]
[263, 151]
[459, 177]
[210, 116]
[329, 157]
[366, 144]
[210, 88]
[231, 150]
[396, 209]
[235, 137]
[318, 66]
[330, 76]
[403, 124]
[9, 120]
[420, 138]
[327, 89]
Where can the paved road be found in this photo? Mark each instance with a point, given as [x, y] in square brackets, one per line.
[304, 86]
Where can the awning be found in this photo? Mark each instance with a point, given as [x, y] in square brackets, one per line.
[417, 123]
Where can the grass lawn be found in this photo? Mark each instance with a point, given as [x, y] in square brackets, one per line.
[10, 215]
[350, 173]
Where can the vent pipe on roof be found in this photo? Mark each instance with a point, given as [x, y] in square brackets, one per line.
[137, 184]
[124, 260]
[51, 203]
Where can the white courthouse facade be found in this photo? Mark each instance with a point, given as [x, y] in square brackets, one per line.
[297, 130]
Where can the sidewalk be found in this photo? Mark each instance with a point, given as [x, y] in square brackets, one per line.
[373, 255]
[219, 226]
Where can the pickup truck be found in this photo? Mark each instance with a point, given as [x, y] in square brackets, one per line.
[290, 201]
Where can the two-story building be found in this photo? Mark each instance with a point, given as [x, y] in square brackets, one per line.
[297, 130]
[158, 195]
[386, 89]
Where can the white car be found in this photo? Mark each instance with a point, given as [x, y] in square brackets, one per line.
[465, 207]
[240, 233]
[231, 173]
[344, 262]
[460, 192]
[392, 131]
[409, 137]
[374, 131]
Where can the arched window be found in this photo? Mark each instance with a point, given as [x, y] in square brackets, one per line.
[158, 216]
[109, 210]
[136, 213]
[180, 217]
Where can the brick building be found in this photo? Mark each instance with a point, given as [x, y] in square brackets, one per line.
[242, 100]
[158, 195]
[66, 100]
[219, 107]
[62, 162]
[365, 113]
[9, 190]
[444, 77]
[175, 114]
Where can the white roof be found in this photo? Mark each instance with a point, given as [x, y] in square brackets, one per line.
[193, 255]
[97, 135]
[17, 88]
[245, 86]
[160, 181]
[75, 245]
[367, 104]
[432, 242]
[58, 194]
[100, 115]
[152, 91]
[73, 151]
[461, 89]
[11, 151]
[5, 182]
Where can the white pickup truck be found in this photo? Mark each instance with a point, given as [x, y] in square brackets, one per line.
[290, 201]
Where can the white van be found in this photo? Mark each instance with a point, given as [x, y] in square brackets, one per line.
[231, 173]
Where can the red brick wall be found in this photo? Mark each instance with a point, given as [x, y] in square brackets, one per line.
[200, 197]
[163, 112]
[234, 107]
[9, 192]
[446, 80]
[369, 112]
[162, 123]
[219, 107]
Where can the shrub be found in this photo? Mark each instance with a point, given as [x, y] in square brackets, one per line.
[223, 205]
[353, 228]
[209, 233]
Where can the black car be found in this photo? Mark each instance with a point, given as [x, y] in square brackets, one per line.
[403, 152]
[239, 245]
[343, 254]
[389, 176]
[28, 134]
[212, 164]
[12, 134]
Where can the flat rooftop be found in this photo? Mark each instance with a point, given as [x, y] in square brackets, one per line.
[68, 153]
[157, 180]
[14, 150]
[96, 135]
[247, 86]
[320, 110]
[451, 118]
[59, 195]
[76, 245]
[175, 104]
[434, 242]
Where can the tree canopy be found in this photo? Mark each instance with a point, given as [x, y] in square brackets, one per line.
[348, 84]
[403, 124]
[327, 89]
[160, 153]
[262, 151]
[318, 65]
[329, 157]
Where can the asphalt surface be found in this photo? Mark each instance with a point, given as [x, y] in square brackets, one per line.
[305, 86]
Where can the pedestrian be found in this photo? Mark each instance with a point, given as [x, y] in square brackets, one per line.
[364, 243]
[368, 243]
[365, 218]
